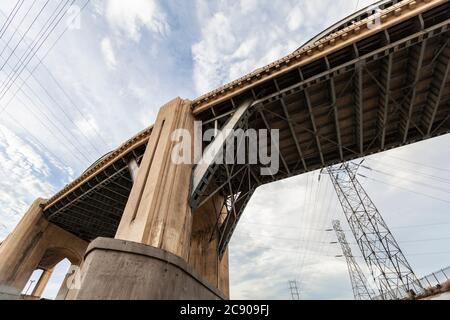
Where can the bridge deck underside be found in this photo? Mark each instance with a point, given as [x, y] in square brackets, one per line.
[388, 90]
[95, 208]
[383, 92]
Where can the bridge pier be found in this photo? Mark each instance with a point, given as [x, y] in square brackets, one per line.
[34, 244]
[162, 250]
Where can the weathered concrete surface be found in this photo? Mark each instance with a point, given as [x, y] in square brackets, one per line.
[157, 212]
[117, 269]
[35, 243]
[203, 254]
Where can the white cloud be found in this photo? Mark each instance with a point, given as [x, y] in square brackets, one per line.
[238, 37]
[210, 42]
[295, 19]
[25, 175]
[108, 53]
[130, 16]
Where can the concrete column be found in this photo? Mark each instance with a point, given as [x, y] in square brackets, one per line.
[32, 239]
[19, 255]
[203, 255]
[42, 283]
[158, 213]
[64, 289]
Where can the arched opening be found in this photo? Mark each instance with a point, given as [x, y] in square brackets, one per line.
[31, 284]
[49, 280]
[57, 280]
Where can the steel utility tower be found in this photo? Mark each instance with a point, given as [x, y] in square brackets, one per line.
[390, 269]
[361, 289]
[294, 290]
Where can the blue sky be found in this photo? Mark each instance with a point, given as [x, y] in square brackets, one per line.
[103, 82]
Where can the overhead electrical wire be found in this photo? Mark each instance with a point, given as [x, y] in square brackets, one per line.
[79, 154]
[44, 148]
[417, 163]
[54, 115]
[409, 170]
[403, 188]
[26, 32]
[18, 26]
[4, 87]
[45, 55]
[24, 82]
[407, 179]
[68, 98]
[10, 17]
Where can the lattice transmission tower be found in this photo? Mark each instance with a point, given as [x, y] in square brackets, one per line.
[390, 270]
[360, 287]
[294, 290]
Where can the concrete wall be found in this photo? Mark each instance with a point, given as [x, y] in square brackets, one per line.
[35, 243]
[116, 269]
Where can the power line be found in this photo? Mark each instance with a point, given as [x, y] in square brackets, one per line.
[67, 96]
[24, 83]
[73, 103]
[59, 107]
[62, 131]
[13, 76]
[408, 179]
[45, 55]
[44, 147]
[19, 25]
[417, 163]
[387, 263]
[44, 124]
[11, 16]
[322, 230]
[23, 36]
[260, 236]
[398, 168]
[403, 188]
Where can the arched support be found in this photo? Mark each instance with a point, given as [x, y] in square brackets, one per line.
[34, 244]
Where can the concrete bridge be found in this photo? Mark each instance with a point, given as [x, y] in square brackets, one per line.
[142, 227]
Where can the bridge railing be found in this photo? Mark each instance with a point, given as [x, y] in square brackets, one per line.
[436, 278]
[431, 281]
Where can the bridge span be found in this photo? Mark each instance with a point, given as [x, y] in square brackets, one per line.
[372, 82]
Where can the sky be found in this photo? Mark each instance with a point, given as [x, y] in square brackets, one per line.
[101, 77]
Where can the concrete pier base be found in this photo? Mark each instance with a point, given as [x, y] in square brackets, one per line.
[117, 269]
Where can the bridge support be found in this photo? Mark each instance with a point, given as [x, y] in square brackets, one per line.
[162, 250]
[34, 244]
[42, 283]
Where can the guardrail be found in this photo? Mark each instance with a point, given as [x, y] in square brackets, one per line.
[432, 281]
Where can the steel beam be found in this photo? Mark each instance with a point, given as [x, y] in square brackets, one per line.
[385, 80]
[204, 170]
[286, 167]
[412, 79]
[440, 77]
[292, 130]
[359, 108]
[313, 124]
[378, 54]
